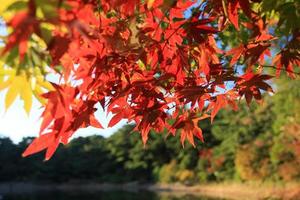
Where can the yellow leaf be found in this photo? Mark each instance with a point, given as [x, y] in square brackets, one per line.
[4, 84]
[6, 72]
[26, 94]
[150, 3]
[141, 65]
[5, 4]
[43, 83]
[13, 91]
[37, 92]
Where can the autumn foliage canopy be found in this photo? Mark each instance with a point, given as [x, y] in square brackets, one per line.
[162, 64]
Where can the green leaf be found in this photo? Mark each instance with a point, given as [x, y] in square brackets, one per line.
[16, 6]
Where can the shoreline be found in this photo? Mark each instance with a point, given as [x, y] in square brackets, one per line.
[234, 191]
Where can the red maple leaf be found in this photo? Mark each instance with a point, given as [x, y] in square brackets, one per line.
[250, 85]
[146, 62]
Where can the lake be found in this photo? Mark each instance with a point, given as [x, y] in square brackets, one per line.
[111, 195]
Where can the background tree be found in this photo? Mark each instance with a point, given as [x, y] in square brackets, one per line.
[247, 145]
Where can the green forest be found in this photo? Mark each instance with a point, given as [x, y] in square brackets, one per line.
[260, 142]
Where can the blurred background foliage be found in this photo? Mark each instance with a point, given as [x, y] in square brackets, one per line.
[256, 143]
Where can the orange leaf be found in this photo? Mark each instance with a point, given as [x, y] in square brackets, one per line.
[39, 144]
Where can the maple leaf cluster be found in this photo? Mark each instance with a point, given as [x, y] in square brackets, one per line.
[144, 61]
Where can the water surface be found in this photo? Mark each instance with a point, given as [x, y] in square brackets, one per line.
[111, 195]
